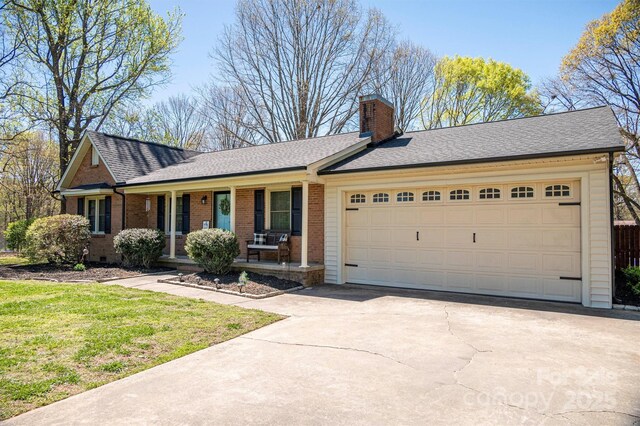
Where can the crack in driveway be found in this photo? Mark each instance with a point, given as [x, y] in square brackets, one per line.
[342, 348]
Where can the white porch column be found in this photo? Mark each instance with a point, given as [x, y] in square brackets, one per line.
[304, 262]
[172, 241]
[232, 213]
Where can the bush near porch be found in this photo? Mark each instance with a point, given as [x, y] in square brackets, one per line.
[58, 340]
[213, 249]
[139, 246]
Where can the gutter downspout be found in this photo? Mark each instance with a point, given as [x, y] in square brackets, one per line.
[124, 202]
[612, 230]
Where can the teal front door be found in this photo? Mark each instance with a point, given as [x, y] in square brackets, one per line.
[222, 206]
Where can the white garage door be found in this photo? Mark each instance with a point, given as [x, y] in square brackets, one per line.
[520, 240]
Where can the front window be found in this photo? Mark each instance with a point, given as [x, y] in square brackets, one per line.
[178, 215]
[281, 210]
[96, 216]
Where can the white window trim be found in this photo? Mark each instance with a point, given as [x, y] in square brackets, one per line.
[167, 215]
[267, 203]
[94, 231]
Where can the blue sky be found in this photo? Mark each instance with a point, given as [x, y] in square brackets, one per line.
[532, 35]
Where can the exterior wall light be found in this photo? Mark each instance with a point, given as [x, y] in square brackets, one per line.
[203, 200]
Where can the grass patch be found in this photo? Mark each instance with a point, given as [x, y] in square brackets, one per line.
[57, 340]
[13, 260]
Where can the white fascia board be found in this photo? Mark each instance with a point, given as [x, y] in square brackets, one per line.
[85, 192]
[312, 169]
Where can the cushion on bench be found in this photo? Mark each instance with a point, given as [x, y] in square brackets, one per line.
[262, 247]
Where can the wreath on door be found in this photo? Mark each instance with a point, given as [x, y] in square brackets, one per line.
[225, 206]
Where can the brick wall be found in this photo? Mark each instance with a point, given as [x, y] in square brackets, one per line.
[244, 225]
[244, 218]
[198, 214]
[91, 174]
[378, 118]
[101, 246]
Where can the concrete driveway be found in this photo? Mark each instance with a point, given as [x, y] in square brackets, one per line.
[374, 356]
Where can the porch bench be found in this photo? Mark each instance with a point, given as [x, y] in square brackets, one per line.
[272, 243]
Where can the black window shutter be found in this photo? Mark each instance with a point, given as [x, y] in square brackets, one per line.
[258, 210]
[186, 210]
[81, 206]
[296, 211]
[107, 215]
[160, 216]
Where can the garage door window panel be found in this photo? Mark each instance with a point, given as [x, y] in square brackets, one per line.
[557, 191]
[520, 192]
[381, 197]
[358, 199]
[489, 194]
[459, 195]
[431, 196]
[405, 197]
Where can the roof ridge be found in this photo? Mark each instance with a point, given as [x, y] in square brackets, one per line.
[510, 119]
[279, 142]
[176, 148]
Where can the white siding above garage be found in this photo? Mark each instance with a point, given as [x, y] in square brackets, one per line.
[588, 176]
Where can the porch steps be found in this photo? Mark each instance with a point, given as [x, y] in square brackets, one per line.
[309, 276]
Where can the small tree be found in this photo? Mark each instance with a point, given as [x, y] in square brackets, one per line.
[213, 249]
[139, 246]
[16, 234]
[58, 239]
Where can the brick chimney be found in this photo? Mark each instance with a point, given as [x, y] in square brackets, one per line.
[376, 118]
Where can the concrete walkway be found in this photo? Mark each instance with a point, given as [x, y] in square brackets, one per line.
[375, 356]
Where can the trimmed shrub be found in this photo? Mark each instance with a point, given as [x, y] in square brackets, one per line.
[58, 239]
[632, 278]
[16, 234]
[139, 246]
[79, 267]
[213, 249]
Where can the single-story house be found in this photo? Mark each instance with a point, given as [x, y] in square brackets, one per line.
[517, 208]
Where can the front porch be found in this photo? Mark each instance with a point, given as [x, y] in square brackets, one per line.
[293, 207]
[311, 275]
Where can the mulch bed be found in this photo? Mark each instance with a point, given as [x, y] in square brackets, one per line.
[258, 284]
[94, 272]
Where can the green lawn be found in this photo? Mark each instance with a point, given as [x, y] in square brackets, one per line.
[57, 340]
[13, 260]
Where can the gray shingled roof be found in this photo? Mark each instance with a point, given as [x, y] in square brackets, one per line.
[131, 158]
[273, 157]
[590, 130]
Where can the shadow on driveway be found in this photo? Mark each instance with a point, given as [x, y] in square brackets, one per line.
[364, 293]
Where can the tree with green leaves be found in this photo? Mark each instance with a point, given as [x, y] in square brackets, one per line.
[470, 90]
[604, 68]
[82, 58]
